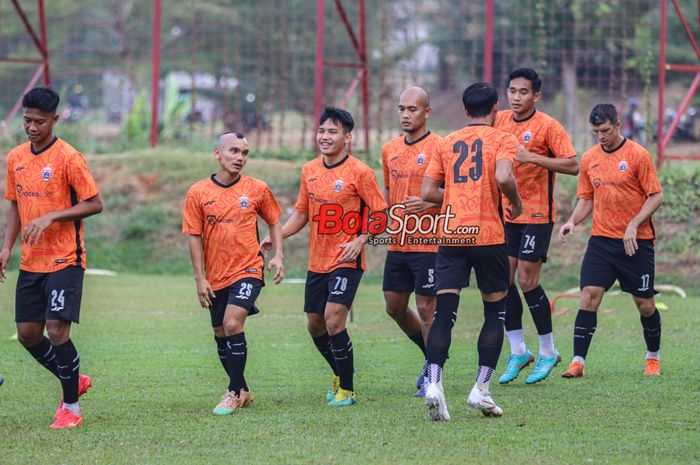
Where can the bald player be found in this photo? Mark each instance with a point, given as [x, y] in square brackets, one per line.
[410, 264]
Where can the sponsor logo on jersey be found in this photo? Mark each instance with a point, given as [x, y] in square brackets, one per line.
[596, 183]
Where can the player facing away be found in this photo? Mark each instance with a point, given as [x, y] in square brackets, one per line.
[410, 261]
[618, 183]
[221, 218]
[544, 149]
[50, 190]
[340, 181]
[476, 166]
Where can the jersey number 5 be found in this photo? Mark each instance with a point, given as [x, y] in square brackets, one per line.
[476, 169]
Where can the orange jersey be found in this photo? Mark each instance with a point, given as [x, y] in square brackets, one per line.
[226, 216]
[466, 163]
[542, 135]
[619, 183]
[404, 164]
[53, 179]
[349, 184]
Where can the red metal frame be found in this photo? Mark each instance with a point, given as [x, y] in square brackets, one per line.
[662, 140]
[41, 43]
[361, 78]
[155, 72]
[488, 41]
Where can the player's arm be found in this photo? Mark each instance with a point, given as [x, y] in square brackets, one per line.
[278, 260]
[11, 232]
[204, 291]
[431, 191]
[583, 208]
[506, 183]
[558, 165]
[82, 209]
[650, 205]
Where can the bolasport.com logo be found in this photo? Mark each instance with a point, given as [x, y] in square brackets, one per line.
[402, 228]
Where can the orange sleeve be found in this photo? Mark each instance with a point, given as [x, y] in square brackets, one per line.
[302, 204]
[385, 164]
[508, 149]
[585, 188]
[369, 190]
[435, 170]
[646, 173]
[80, 179]
[270, 210]
[559, 142]
[10, 193]
[192, 221]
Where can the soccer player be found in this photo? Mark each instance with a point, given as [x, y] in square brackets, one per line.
[221, 217]
[332, 186]
[544, 149]
[50, 190]
[476, 166]
[410, 262]
[618, 183]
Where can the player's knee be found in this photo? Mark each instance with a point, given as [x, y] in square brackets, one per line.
[28, 338]
[57, 334]
[219, 331]
[646, 307]
[315, 327]
[233, 327]
[528, 279]
[426, 310]
[590, 299]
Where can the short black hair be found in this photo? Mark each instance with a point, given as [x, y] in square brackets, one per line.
[529, 74]
[479, 99]
[338, 116]
[41, 98]
[238, 134]
[603, 112]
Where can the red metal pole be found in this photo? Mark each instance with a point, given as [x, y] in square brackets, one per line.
[44, 42]
[320, 40]
[681, 110]
[488, 42]
[660, 147]
[688, 31]
[365, 75]
[155, 88]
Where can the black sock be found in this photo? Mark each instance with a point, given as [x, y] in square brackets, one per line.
[221, 349]
[539, 309]
[440, 336]
[43, 353]
[652, 331]
[419, 341]
[491, 336]
[584, 327]
[342, 352]
[323, 344]
[236, 356]
[514, 310]
[68, 364]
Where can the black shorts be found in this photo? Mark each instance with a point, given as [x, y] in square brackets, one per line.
[243, 293]
[490, 262]
[49, 296]
[409, 271]
[529, 242]
[338, 286]
[605, 261]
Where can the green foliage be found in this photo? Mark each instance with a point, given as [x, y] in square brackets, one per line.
[681, 209]
[137, 124]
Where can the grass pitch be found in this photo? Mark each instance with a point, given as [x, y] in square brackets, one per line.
[151, 353]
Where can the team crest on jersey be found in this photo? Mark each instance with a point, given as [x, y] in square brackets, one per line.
[421, 159]
[243, 201]
[527, 137]
[623, 166]
[46, 173]
[338, 185]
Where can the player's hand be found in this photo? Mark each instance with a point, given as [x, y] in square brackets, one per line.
[266, 245]
[514, 211]
[32, 233]
[523, 156]
[630, 240]
[351, 250]
[415, 204]
[4, 259]
[205, 293]
[566, 230]
[278, 263]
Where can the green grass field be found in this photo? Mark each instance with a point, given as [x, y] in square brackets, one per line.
[150, 351]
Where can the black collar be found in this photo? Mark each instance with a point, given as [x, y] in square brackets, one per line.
[624, 139]
[478, 124]
[335, 165]
[525, 119]
[225, 186]
[417, 140]
[39, 152]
